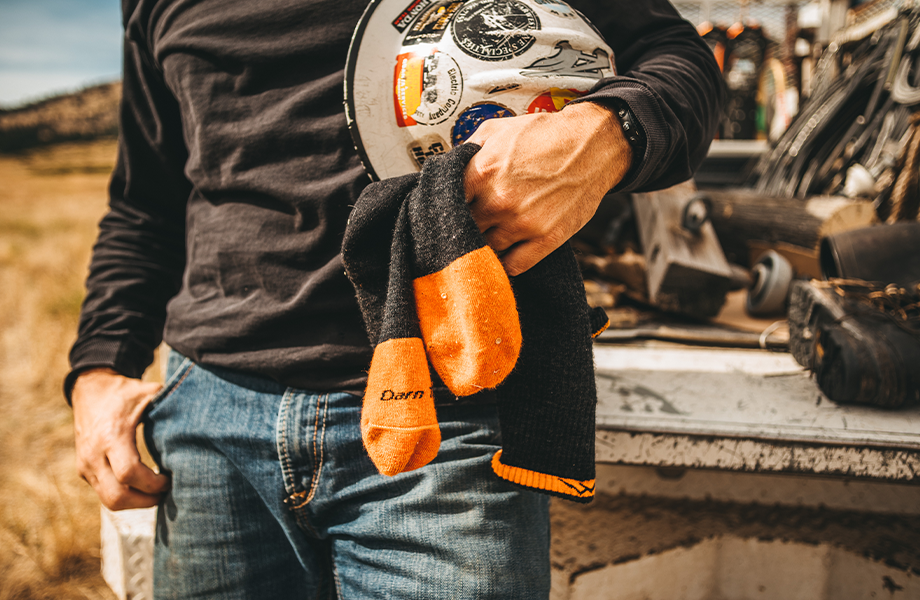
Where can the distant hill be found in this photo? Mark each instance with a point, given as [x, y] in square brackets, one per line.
[89, 114]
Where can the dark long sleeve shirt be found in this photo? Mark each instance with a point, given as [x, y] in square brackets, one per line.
[236, 174]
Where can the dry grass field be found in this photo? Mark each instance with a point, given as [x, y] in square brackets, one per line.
[50, 203]
[85, 115]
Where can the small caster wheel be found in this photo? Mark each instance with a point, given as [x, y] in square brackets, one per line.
[771, 278]
[696, 212]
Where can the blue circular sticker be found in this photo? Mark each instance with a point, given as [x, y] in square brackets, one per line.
[470, 120]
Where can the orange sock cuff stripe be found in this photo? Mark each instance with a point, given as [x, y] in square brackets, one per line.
[599, 321]
[602, 329]
[542, 481]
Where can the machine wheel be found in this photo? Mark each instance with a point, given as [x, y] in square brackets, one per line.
[771, 278]
[696, 212]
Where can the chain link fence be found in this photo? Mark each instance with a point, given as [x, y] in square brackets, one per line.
[775, 18]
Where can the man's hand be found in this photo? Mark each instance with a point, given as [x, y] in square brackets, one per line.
[539, 178]
[106, 410]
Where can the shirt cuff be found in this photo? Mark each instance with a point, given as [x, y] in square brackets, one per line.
[116, 354]
[644, 105]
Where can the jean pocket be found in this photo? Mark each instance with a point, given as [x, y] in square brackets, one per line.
[171, 384]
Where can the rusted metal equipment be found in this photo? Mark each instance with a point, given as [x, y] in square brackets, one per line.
[862, 340]
[687, 270]
[888, 254]
[747, 221]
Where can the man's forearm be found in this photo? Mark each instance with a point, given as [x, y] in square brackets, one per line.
[668, 77]
[539, 178]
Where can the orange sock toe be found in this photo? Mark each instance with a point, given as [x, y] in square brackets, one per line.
[399, 424]
[469, 320]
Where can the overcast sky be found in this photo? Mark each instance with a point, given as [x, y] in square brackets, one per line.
[52, 46]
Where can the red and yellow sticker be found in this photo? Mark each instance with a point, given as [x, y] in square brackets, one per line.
[407, 87]
[426, 88]
[553, 100]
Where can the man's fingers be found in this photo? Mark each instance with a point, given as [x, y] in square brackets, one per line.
[107, 408]
[98, 473]
[488, 208]
[128, 470]
[521, 257]
[122, 482]
[149, 389]
[117, 496]
[485, 220]
[499, 239]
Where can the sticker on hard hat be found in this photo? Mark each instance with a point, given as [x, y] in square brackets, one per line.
[493, 30]
[553, 100]
[470, 120]
[570, 62]
[426, 147]
[555, 7]
[422, 75]
[508, 87]
[405, 18]
[426, 88]
[430, 27]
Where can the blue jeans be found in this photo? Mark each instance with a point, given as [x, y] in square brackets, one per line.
[273, 496]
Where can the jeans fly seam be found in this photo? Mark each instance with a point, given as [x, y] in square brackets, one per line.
[307, 495]
[287, 468]
[337, 582]
[294, 501]
[318, 453]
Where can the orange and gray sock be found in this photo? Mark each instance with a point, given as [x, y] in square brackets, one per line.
[466, 308]
[547, 405]
[399, 424]
[440, 295]
[440, 283]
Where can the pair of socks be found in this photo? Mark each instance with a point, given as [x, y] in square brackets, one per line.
[434, 295]
[447, 300]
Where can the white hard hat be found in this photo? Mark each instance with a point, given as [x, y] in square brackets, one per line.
[423, 74]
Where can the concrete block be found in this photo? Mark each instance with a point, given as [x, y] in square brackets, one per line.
[731, 568]
[127, 552]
